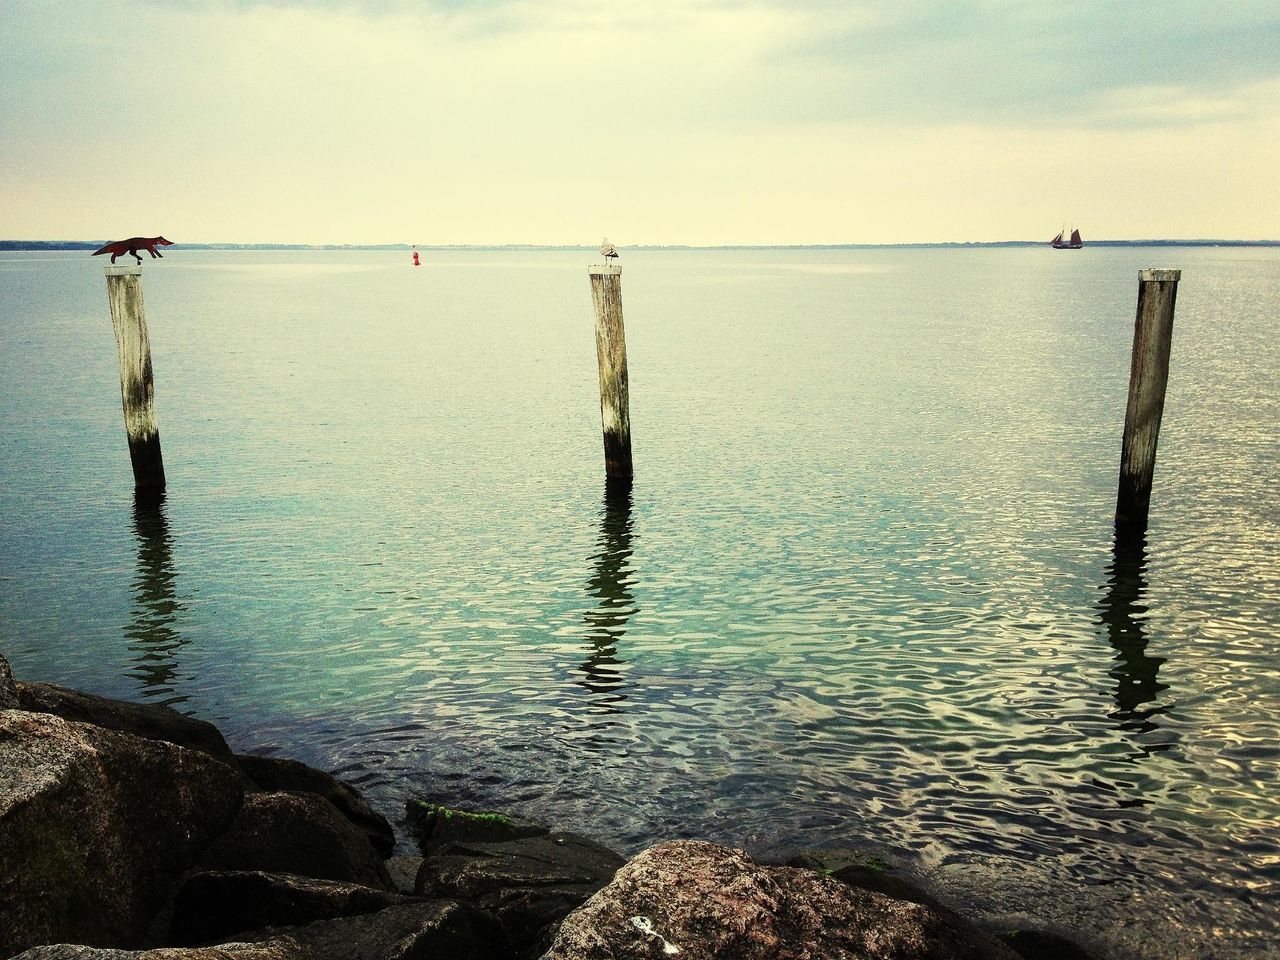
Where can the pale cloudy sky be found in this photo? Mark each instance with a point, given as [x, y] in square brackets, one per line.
[660, 121]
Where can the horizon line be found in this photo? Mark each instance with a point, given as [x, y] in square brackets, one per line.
[32, 245]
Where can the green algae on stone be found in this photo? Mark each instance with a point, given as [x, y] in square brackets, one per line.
[449, 813]
[435, 825]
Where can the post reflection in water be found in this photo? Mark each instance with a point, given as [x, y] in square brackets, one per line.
[1123, 614]
[610, 585]
[153, 641]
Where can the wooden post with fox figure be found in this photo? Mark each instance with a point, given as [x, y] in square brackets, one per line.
[1148, 376]
[611, 352]
[137, 390]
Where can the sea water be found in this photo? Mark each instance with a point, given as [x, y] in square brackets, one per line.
[863, 592]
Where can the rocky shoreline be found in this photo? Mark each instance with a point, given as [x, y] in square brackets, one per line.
[130, 830]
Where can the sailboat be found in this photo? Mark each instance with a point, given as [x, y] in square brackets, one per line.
[1075, 243]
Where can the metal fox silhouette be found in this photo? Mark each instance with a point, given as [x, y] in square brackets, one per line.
[133, 245]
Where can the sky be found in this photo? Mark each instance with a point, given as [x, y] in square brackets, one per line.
[665, 121]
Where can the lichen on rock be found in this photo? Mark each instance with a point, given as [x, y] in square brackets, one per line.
[700, 901]
[8, 690]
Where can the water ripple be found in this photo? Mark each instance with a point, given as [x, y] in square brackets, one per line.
[864, 591]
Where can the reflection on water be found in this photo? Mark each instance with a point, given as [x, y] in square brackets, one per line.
[153, 641]
[610, 585]
[1123, 613]
[825, 650]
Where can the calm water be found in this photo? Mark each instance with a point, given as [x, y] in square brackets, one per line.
[863, 590]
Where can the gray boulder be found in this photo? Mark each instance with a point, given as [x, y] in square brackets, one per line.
[404, 873]
[211, 907]
[435, 825]
[700, 901]
[298, 833]
[870, 872]
[420, 931]
[1044, 945]
[867, 871]
[528, 882]
[149, 721]
[74, 951]
[277, 773]
[416, 931]
[96, 826]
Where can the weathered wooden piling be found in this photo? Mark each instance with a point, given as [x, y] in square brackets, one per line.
[1148, 376]
[137, 391]
[611, 352]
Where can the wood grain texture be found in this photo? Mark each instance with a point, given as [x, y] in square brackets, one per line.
[1148, 378]
[611, 353]
[137, 387]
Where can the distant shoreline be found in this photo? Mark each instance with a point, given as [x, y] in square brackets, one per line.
[56, 245]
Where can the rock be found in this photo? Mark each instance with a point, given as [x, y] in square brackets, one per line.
[404, 873]
[96, 826]
[70, 951]
[420, 931]
[149, 721]
[528, 882]
[1040, 945]
[298, 833]
[865, 870]
[8, 692]
[228, 951]
[879, 880]
[212, 906]
[711, 902]
[434, 825]
[277, 773]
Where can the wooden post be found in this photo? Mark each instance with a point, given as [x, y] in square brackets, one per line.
[1148, 375]
[611, 352]
[137, 392]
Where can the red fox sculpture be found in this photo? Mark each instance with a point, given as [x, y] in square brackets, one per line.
[133, 245]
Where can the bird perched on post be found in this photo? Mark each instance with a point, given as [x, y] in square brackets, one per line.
[609, 251]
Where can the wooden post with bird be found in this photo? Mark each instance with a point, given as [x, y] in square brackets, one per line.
[137, 390]
[1148, 376]
[611, 352]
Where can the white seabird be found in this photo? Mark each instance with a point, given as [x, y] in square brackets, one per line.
[608, 249]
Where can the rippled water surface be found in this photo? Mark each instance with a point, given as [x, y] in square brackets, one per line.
[863, 591]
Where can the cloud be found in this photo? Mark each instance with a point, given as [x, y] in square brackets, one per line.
[1020, 63]
[1169, 105]
[696, 121]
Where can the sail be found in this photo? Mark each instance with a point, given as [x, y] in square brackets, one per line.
[1058, 238]
[1075, 238]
